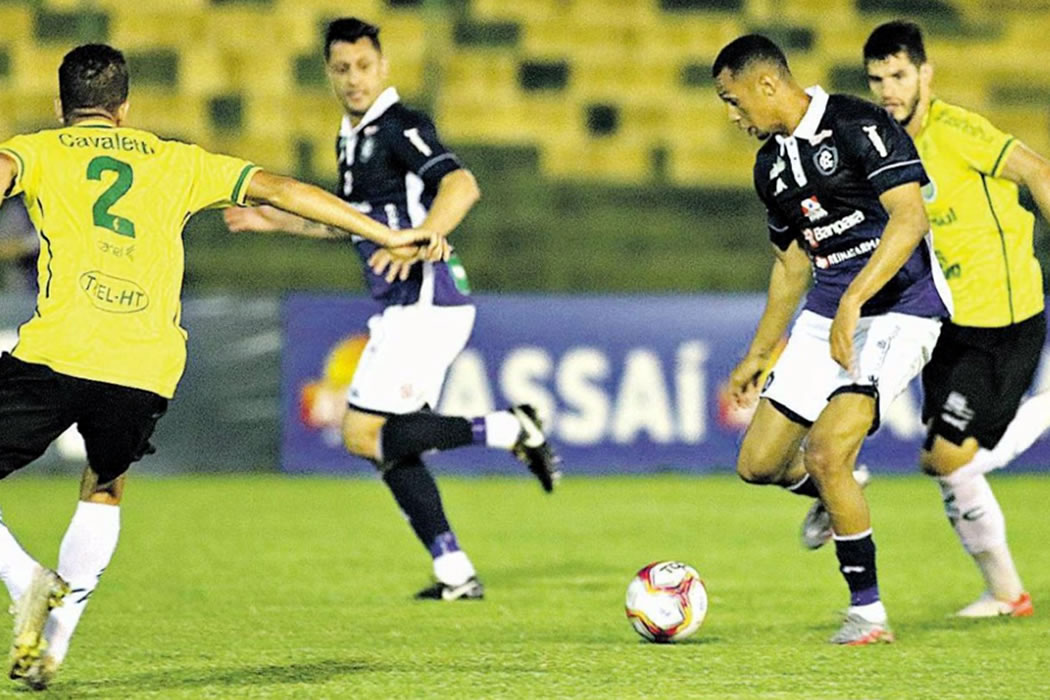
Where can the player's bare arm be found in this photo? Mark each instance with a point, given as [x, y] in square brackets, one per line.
[1026, 167]
[904, 231]
[457, 193]
[313, 203]
[788, 281]
[8, 169]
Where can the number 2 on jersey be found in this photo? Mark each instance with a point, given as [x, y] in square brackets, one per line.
[100, 211]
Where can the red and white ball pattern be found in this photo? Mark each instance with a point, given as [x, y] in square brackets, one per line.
[666, 601]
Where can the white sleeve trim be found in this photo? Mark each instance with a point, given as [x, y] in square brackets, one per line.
[893, 165]
[433, 161]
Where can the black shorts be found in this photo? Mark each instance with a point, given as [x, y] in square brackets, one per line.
[37, 404]
[977, 377]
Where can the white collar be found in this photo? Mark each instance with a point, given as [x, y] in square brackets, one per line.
[807, 128]
[387, 99]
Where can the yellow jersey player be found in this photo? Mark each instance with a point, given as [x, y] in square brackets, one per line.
[987, 355]
[104, 348]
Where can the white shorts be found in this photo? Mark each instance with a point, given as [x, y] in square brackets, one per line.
[408, 353]
[889, 351]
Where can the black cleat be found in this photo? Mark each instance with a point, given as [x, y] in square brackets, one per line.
[472, 589]
[533, 449]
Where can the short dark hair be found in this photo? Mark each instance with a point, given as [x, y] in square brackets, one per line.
[349, 29]
[743, 51]
[92, 76]
[892, 38]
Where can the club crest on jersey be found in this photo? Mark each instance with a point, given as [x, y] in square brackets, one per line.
[826, 159]
[929, 191]
[368, 147]
[812, 209]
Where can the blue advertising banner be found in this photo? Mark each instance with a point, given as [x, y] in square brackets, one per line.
[626, 384]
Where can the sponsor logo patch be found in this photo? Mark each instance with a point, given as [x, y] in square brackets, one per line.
[113, 294]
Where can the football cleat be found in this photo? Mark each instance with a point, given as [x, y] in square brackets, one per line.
[816, 526]
[533, 449]
[858, 631]
[471, 589]
[41, 673]
[28, 645]
[990, 606]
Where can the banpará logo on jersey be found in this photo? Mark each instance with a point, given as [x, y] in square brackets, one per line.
[815, 234]
[113, 294]
[812, 209]
[826, 159]
[929, 191]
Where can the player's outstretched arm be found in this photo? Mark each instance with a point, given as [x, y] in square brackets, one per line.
[313, 203]
[1026, 167]
[788, 281]
[904, 231]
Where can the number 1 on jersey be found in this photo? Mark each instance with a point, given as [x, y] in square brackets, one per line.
[100, 211]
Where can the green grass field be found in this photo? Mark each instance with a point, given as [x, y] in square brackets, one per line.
[280, 587]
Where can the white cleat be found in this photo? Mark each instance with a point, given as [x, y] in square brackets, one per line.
[816, 526]
[990, 606]
[857, 631]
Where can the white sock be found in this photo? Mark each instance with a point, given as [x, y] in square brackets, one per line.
[501, 429]
[872, 612]
[1030, 422]
[978, 520]
[16, 567]
[86, 549]
[453, 568]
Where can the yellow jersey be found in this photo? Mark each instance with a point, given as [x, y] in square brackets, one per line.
[109, 204]
[981, 234]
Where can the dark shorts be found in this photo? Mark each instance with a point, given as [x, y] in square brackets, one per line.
[977, 377]
[38, 404]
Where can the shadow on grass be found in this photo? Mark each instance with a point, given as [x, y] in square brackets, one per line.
[168, 679]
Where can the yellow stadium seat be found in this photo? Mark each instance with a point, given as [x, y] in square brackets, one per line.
[611, 159]
[522, 10]
[16, 23]
[702, 167]
[160, 26]
[36, 67]
[202, 73]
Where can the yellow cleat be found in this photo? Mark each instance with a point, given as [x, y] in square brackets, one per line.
[28, 661]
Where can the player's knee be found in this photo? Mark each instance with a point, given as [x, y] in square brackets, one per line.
[361, 434]
[824, 460]
[103, 484]
[759, 467]
[941, 457]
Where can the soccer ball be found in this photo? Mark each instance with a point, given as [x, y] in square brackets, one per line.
[666, 601]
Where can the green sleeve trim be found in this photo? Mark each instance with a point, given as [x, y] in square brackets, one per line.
[18, 159]
[1002, 156]
[249, 169]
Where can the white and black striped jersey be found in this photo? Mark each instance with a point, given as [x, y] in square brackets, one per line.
[390, 165]
[821, 186]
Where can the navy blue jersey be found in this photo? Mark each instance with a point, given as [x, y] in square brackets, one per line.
[821, 187]
[390, 165]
